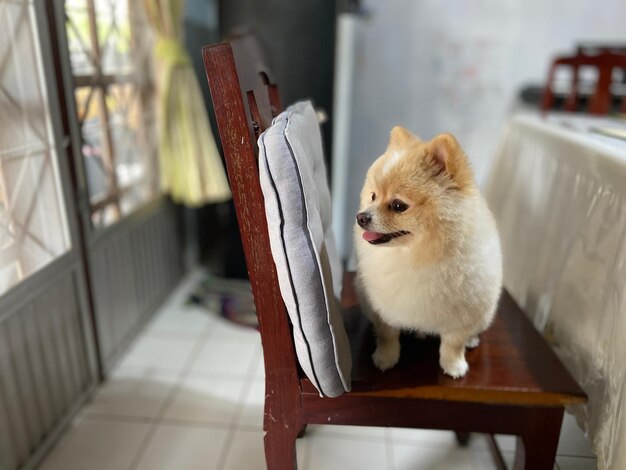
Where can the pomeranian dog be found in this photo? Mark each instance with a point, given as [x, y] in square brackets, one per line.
[428, 251]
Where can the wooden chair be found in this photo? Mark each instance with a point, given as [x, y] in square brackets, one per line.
[516, 385]
[601, 101]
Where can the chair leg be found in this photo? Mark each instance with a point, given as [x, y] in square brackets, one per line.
[496, 454]
[282, 424]
[462, 438]
[536, 447]
[280, 448]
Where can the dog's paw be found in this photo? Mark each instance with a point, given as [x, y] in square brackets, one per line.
[455, 368]
[386, 357]
[473, 342]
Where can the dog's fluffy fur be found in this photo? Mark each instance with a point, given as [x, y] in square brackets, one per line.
[427, 247]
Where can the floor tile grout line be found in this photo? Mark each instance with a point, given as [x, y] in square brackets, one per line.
[389, 452]
[182, 422]
[181, 374]
[228, 444]
[157, 419]
[188, 423]
[185, 373]
[475, 462]
[182, 335]
[247, 380]
[153, 422]
[475, 457]
[199, 374]
[431, 444]
[116, 418]
[574, 456]
[243, 395]
[252, 366]
[306, 459]
[351, 436]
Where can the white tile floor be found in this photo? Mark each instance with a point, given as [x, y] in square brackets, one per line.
[189, 395]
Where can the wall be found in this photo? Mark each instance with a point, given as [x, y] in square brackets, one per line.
[298, 39]
[455, 66]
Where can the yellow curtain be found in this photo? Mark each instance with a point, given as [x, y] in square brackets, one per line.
[191, 168]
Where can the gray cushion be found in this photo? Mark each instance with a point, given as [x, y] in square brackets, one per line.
[298, 209]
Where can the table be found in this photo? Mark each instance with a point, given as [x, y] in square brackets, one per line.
[558, 192]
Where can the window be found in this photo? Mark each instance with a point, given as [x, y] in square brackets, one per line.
[110, 47]
[33, 223]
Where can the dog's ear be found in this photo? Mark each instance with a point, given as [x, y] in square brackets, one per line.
[400, 138]
[440, 152]
[444, 157]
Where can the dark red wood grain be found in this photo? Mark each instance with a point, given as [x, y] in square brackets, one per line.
[515, 381]
[282, 390]
[513, 364]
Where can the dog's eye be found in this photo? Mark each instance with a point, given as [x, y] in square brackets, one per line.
[398, 206]
[373, 196]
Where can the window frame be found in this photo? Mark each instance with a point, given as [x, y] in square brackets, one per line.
[99, 82]
[53, 148]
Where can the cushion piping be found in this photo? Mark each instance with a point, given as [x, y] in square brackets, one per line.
[315, 256]
[288, 264]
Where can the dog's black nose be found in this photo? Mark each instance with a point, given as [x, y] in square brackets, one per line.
[363, 218]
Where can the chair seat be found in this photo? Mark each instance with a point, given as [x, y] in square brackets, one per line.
[512, 365]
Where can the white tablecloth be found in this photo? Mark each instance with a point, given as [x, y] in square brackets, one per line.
[558, 192]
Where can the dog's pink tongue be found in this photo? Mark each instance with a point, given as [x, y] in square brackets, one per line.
[371, 236]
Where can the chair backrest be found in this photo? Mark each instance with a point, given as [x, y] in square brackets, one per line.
[594, 48]
[245, 101]
[601, 100]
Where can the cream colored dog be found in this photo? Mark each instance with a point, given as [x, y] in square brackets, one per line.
[427, 247]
